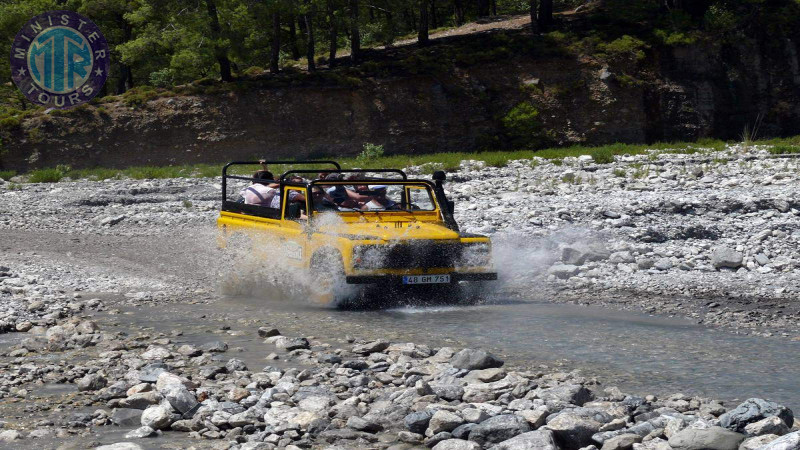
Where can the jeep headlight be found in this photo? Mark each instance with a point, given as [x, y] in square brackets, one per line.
[367, 257]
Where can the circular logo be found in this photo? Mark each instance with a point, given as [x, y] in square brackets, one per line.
[59, 59]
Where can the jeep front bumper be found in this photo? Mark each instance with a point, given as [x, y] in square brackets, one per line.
[398, 279]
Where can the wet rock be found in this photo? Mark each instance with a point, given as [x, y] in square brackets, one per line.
[713, 438]
[290, 344]
[443, 420]
[266, 332]
[456, 444]
[752, 410]
[417, 422]
[156, 417]
[470, 359]
[725, 257]
[215, 347]
[532, 440]
[498, 429]
[371, 347]
[179, 397]
[91, 382]
[563, 271]
[409, 437]
[141, 432]
[769, 425]
[574, 430]
[119, 446]
[189, 350]
[126, 417]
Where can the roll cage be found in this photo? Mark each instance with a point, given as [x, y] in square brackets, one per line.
[436, 187]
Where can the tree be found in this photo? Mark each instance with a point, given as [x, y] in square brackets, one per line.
[308, 17]
[275, 52]
[545, 19]
[533, 5]
[355, 34]
[483, 8]
[422, 34]
[458, 9]
[216, 34]
[332, 37]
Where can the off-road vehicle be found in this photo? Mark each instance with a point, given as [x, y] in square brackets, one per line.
[357, 227]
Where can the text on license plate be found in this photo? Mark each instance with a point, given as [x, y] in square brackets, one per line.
[425, 279]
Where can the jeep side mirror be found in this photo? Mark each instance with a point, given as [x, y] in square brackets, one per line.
[292, 211]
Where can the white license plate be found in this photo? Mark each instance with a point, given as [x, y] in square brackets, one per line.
[425, 279]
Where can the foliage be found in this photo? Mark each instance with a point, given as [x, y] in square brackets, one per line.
[7, 174]
[784, 149]
[523, 126]
[370, 152]
[623, 47]
[46, 176]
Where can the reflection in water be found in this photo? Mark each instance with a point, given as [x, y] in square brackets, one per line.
[638, 352]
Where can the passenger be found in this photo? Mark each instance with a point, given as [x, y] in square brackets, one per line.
[294, 195]
[260, 193]
[321, 200]
[344, 196]
[379, 201]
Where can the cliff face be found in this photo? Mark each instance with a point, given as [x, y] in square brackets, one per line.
[681, 93]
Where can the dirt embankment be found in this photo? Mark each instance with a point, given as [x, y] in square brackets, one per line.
[453, 96]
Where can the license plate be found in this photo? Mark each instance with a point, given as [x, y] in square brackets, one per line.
[426, 279]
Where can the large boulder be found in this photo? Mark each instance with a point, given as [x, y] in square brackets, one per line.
[757, 442]
[770, 425]
[156, 417]
[532, 440]
[573, 430]
[726, 257]
[752, 410]
[713, 438]
[417, 422]
[470, 359]
[498, 429]
[443, 420]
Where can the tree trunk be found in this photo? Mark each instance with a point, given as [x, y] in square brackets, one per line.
[125, 81]
[434, 18]
[483, 8]
[355, 37]
[533, 4]
[331, 34]
[275, 55]
[493, 3]
[545, 15]
[293, 38]
[422, 34]
[219, 52]
[459, 11]
[310, 44]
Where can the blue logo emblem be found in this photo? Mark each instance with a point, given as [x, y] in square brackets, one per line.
[59, 59]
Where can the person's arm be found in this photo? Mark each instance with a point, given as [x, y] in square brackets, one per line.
[358, 197]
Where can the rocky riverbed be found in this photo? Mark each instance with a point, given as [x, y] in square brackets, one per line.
[711, 237]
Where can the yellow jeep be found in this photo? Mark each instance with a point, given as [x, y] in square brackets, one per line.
[357, 227]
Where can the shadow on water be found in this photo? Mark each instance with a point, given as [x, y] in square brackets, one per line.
[638, 352]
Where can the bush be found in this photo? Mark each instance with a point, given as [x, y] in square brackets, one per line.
[46, 176]
[784, 149]
[7, 174]
[162, 78]
[522, 125]
[626, 46]
[370, 152]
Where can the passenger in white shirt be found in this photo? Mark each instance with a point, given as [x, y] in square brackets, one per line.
[261, 193]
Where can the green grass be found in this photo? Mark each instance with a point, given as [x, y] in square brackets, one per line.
[7, 174]
[445, 161]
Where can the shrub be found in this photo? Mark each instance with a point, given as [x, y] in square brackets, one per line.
[253, 71]
[162, 78]
[626, 46]
[7, 174]
[784, 149]
[46, 176]
[522, 125]
[370, 152]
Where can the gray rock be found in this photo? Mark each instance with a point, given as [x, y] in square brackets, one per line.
[770, 425]
[713, 438]
[357, 423]
[580, 255]
[573, 430]
[443, 420]
[141, 432]
[141, 400]
[371, 347]
[752, 410]
[448, 391]
[417, 422]
[215, 347]
[622, 442]
[179, 397]
[235, 364]
[10, 435]
[91, 382]
[754, 443]
[563, 271]
[290, 344]
[663, 264]
[463, 431]
[266, 332]
[436, 438]
[532, 440]
[470, 359]
[156, 417]
[456, 444]
[150, 372]
[126, 417]
[498, 429]
[119, 446]
[789, 442]
[726, 257]
[574, 394]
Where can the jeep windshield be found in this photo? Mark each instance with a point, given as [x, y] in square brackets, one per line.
[377, 196]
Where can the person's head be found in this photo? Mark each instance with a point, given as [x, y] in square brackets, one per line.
[264, 175]
[296, 179]
[379, 190]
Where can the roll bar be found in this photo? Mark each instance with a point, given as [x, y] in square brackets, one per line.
[340, 170]
[225, 175]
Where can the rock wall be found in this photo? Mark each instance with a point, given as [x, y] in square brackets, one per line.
[680, 93]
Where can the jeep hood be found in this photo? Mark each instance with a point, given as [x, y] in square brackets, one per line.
[390, 231]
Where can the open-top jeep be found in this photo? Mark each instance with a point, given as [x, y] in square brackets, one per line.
[351, 227]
